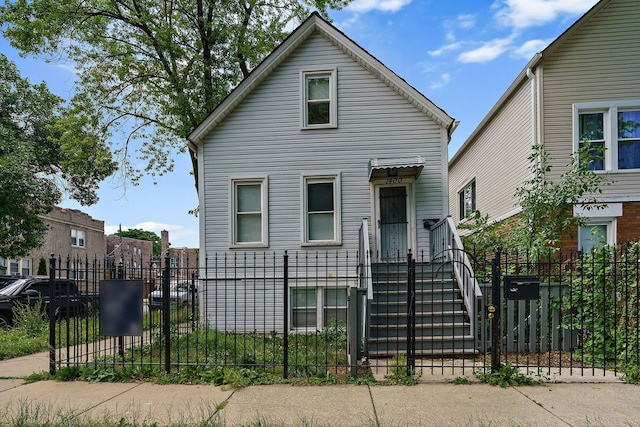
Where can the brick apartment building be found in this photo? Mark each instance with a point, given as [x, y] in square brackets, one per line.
[79, 244]
[74, 237]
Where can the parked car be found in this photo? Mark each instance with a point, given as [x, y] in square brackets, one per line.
[6, 279]
[35, 289]
[180, 294]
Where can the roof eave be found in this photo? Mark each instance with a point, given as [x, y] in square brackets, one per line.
[316, 23]
[533, 63]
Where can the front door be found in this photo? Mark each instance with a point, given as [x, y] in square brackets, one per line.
[393, 223]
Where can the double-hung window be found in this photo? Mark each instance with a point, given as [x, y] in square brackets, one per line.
[249, 216]
[319, 307]
[78, 238]
[319, 93]
[321, 210]
[467, 200]
[629, 139]
[614, 128]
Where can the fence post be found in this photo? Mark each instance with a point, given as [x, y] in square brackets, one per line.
[52, 316]
[411, 312]
[285, 343]
[496, 302]
[120, 337]
[166, 314]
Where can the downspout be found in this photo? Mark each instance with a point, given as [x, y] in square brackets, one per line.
[534, 116]
[534, 106]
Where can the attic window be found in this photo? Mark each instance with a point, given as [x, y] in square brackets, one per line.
[319, 99]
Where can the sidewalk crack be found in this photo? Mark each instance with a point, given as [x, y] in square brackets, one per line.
[542, 406]
[373, 405]
[106, 400]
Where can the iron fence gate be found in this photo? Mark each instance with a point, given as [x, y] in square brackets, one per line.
[285, 314]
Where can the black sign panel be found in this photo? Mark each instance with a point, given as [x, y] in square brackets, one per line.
[121, 307]
[521, 287]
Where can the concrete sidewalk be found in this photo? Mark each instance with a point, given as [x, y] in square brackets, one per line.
[433, 402]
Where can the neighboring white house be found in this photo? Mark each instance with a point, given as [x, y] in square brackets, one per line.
[319, 136]
[585, 84]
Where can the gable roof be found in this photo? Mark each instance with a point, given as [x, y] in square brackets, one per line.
[316, 24]
[523, 75]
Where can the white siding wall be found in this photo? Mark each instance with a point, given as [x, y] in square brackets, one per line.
[599, 63]
[262, 136]
[496, 158]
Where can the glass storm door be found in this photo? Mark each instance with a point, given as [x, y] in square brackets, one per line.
[392, 223]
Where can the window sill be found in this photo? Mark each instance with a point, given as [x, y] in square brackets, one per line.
[312, 127]
[321, 243]
[249, 246]
[617, 171]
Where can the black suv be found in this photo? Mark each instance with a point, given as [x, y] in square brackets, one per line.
[34, 289]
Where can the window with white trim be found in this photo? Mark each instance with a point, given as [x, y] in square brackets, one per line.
[613, 126]
[595, 235]
[321, 210]
[318, 307]
[78, 238]
[18, 266]
[319, 93]
[467, 200]
[249, 217]
[14, 266]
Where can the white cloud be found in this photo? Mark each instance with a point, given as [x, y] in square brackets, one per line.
[70, 69]
[466, 21]
[383, 5]
[444, 80]
[445, 48]
[530, 48]
[520, 14]
[488, 51]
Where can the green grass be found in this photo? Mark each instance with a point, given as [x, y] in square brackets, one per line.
[30, 333]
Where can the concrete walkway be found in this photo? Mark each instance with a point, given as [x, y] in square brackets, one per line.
[433, 402]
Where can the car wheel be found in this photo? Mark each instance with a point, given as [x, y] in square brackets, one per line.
[4, 322]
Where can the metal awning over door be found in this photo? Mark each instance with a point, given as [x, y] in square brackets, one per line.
[399, 166]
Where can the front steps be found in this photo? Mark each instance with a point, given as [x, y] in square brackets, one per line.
[441, 322]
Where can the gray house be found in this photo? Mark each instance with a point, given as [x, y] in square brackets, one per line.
[320, 136]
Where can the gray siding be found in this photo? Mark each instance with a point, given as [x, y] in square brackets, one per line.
[496, 158]
[599, 63]
[262, 136]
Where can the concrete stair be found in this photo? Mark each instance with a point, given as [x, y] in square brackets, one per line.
[441, 323]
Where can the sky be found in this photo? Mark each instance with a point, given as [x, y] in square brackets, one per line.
[461, 54]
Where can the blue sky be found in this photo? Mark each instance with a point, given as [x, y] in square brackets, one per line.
[461, 54]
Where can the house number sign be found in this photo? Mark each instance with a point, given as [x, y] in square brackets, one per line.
[394, 180]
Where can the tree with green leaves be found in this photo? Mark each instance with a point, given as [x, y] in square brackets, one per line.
[136, 233]
[152, 70]
[45, 150]
[547, 204]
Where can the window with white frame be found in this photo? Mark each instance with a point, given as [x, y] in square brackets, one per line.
[599, 225]
[593, 236]
[321, 214]
[78, 238]
[467, 200]
[319, 93]
[249, 218]
[615, 128]
[25, 267]
[14, 266]
[318, 307]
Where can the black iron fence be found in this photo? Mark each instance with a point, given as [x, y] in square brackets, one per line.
[305, 314]
[578, 313]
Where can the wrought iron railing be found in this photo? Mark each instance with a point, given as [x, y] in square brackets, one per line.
[446, 246]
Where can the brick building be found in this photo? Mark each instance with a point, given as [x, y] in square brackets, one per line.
[73, 237]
